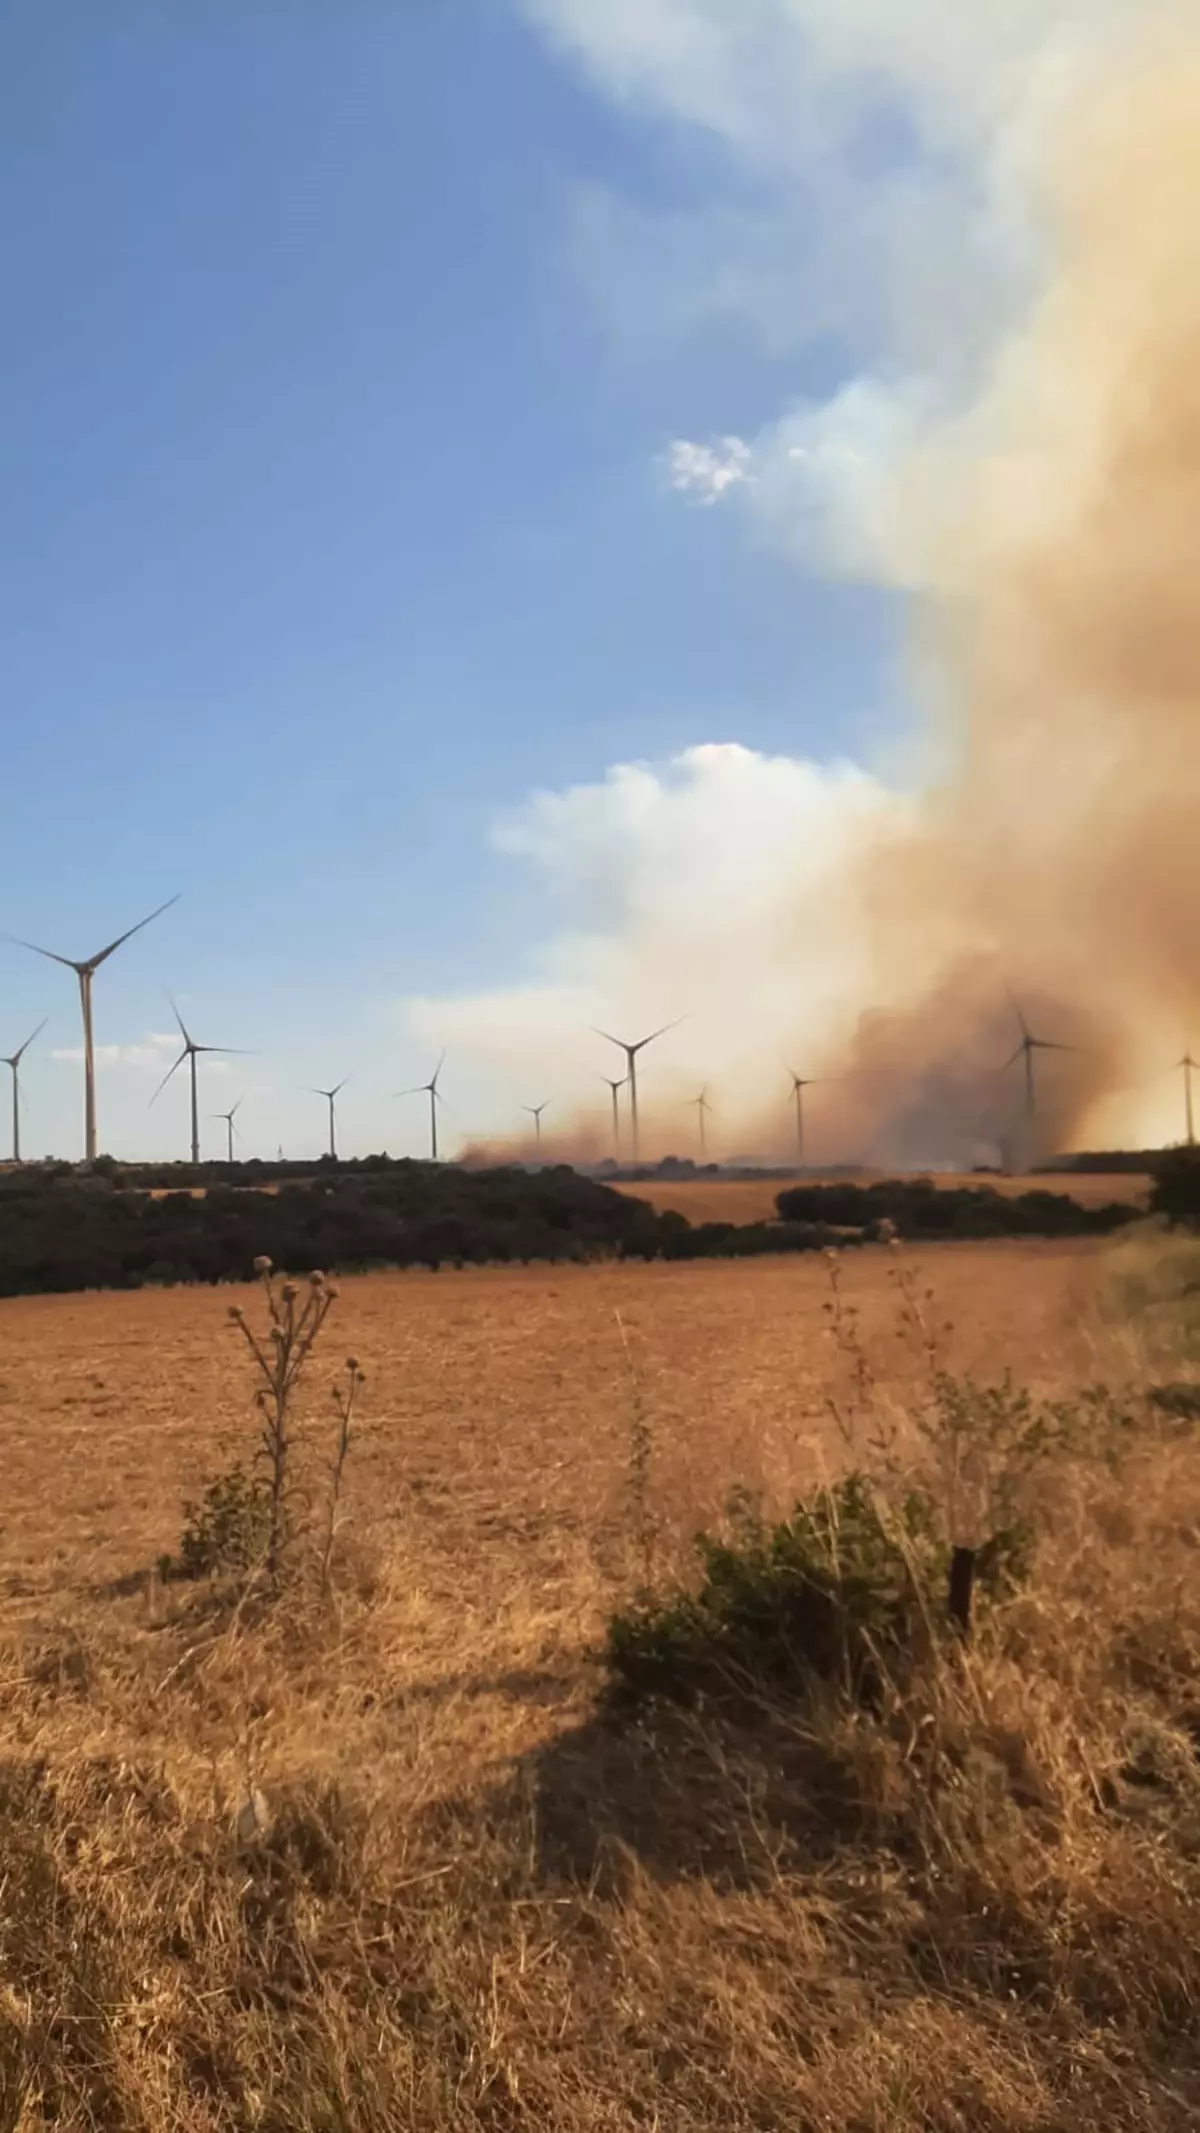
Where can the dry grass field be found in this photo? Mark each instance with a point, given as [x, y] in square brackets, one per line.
[753, 1199]
[471, 1902]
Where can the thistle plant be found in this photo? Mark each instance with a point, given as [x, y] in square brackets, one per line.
[344, 1397]
[280, 1356]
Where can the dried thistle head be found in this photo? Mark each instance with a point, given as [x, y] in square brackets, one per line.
[237, 1314]
[289, 1292]
[354, 1366]
[262, 1265]
[316, 1279]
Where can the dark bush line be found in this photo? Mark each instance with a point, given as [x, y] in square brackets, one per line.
[67, 1233]
[62, 1232]
[922, 1210]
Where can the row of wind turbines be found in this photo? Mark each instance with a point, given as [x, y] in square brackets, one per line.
[85, 971]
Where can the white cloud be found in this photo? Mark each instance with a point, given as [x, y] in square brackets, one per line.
[711, 886]
[705, 471]
[154, 1050]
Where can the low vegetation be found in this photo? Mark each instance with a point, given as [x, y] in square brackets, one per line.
[921, 1210]
[549, 1822]
[62, 1231]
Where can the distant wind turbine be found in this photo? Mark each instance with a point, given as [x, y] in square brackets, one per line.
[631, 1052]
[228, 1118]
[85, 972]
[702, 1107]
[191, 1052]
[430, 1088]
[615, 1087]
[535, 1112]
[14, 1061]
[1189, 1067]
[800, 1082]
[1027, 1047]
[331, 1097]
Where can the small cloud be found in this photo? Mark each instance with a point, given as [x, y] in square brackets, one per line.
[706, 471]
[154, 1050]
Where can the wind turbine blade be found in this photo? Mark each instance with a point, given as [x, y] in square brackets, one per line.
[94, 961]
[49, 953]
[1048, 1044]
[166, 1078]
[183, 1028]
[1011, 1062]
[608, 1037]
[18, 1056]
[234, 1051]
[655, 1033]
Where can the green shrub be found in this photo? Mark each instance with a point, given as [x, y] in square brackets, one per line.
[834, 1593]
[229, 1529]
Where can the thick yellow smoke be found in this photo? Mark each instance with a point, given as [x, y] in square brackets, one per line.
[1063, 847]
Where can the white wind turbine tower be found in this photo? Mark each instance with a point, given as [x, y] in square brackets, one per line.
[631, 1052]
[14, 1061]
[701, 1105]
[535, 1112]
[1026, 1049]
[227, 1118]
[615, 1087]
[331, 1097]
[85, 972]
[430, 1088]
[191, 1052]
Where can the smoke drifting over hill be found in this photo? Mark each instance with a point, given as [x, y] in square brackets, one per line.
[808, 916]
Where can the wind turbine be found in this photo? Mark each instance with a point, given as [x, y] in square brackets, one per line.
[800, 1082]
[191, 1052]
[702, 1107]
[615, 1087]
[535, 1112]
[631, 1051]
[1026, 1049]
[85, 972]
[1189, 1067]
[331, 1096]
[228, 1117]
[430, 1088]
[14, 1061]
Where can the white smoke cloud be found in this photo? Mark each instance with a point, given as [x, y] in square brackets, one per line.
[710, 887]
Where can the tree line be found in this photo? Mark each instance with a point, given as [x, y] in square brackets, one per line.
[62, 1230]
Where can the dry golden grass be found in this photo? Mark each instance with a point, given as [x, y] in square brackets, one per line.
[753, 1199]
[473, 1903]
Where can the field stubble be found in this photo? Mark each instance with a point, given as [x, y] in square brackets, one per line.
[471, 1903]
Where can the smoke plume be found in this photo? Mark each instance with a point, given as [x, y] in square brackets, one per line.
[809, 917]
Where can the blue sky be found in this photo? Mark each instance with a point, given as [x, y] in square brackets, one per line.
[337, 520]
